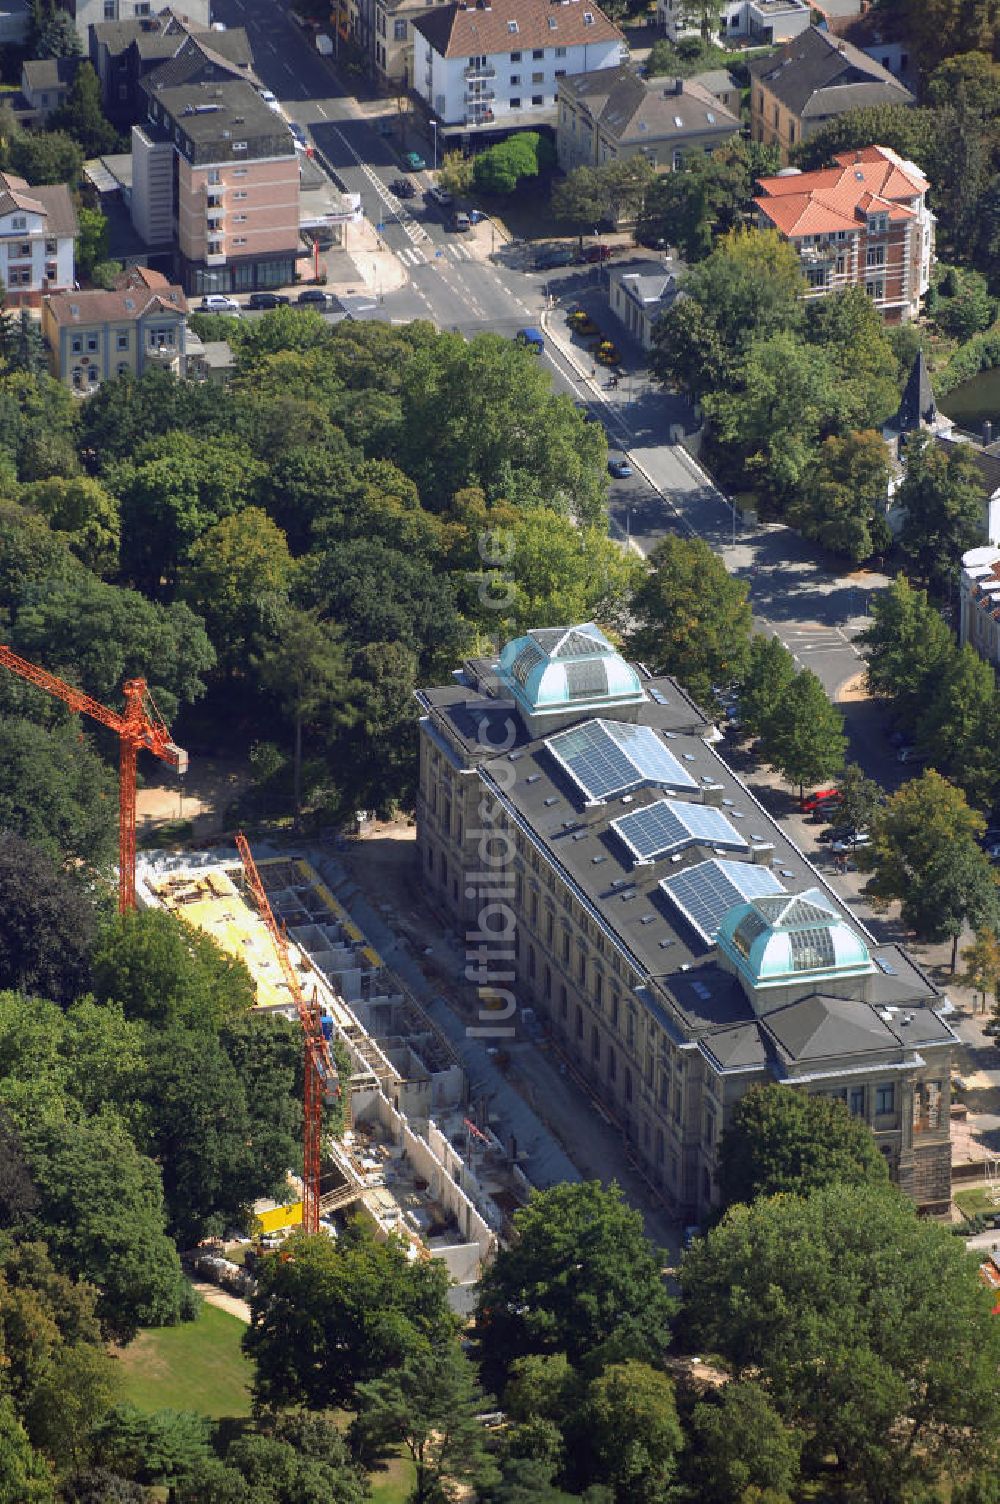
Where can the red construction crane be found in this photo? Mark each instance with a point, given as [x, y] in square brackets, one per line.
[140, 725]
[320, 1071]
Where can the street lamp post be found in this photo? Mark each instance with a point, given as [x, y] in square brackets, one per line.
[434, 128]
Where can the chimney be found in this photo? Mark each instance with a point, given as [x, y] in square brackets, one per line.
[678, 86]
[762, 854]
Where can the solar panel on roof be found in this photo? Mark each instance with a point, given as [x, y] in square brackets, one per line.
[611, 757]
[670, 823]
[705, 893]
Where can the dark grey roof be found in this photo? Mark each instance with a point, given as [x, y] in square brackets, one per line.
[195, 61]
[677, 975]
[816, 73]
[214, 115]
[826, 1028]
[50, 72]
[632, 109]
[918, 405]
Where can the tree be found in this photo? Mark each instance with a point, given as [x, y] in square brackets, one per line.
[908, 131]
[924, 854]
[784, 1141]
[82, 116]
[162, 969]
[692, 618]
[769, 671]
[48, 924]
[960, 725]
[749, 287]
[581, 1275]
[199, 1133]
[561, 572]
[161, 1446]
[74, 1392]
[238, 578]
[500, 168]
[739, 1443]
[101, 1212]
[590, 196]
[860, 799]
[843, 496]
[49, 156]
[708, 198]
[943, 498]
[967, 309]
[982, 964]
[333, 1315]
[57, 794]
[97, 635]
[868, 1327]
[92, 246]
[25, 1477]
[804, 738]
[906, 648]
[85, 511]
[173, 490]
[306, 670]
[635, 1435]
[429, 1403]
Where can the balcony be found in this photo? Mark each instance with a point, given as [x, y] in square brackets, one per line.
[481, 97]
[479, 72]
[484, 118]
[215, 258]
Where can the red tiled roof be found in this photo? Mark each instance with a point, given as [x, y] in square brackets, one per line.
[817, 203]
[484, 28]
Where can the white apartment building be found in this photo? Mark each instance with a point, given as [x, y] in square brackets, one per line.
[38, 230]
[488, 69]
[980, 602]
[762, 21]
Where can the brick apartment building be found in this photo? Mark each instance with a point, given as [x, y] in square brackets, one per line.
[609, 871]
[215, 176]
[864, 223]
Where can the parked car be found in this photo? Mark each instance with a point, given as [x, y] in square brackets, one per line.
[266, 300]
[620, 469]
[413, 161]
[461, 222]
[440, 196]
[476, 216]
[270, 99]
[594, 253]
[532, 338]
[313, 297]
[821, 797]
[218, 302]
[556, 255]
[850, 841]
[402, 188]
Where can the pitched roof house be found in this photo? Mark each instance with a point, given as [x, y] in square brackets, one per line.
[93, 336]
[864, 222]
[612, 114]
[485, 69]
[38, 230]
[812, 79]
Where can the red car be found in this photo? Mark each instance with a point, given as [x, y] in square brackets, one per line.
[597, 253]
[822, 799]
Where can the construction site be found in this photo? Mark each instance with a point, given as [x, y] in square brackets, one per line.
[411, 1158]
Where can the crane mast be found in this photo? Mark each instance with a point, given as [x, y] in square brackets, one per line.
[140, 727]
[320, 1070]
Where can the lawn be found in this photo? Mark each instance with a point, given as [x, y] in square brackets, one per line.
[977, 1199]
[198, 1366]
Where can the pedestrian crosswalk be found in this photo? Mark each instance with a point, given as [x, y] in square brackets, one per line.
[426, 255]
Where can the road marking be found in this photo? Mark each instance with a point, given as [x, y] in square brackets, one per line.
[322, 112]
[411, 229]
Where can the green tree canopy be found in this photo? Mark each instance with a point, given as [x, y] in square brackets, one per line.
[906, 647]
[781, 1140]
[960, 725]
[429, 1403]
[162, 969]
[869, 1328]
[238, 578]
[842, 499]
[49, 156]
[924, 855]
[82, 116]
[500, 168]
[943, 495]
[634, 1432]
[57, 794]
[707, 198]
[83, 510]
[738, 1443]
[769, 672]
[692, 618]
[804, 737]
[333, 1315]
[581, 1274]
[48, 924]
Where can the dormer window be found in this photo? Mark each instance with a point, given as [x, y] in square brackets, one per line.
[512, 27]
[588, 18]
